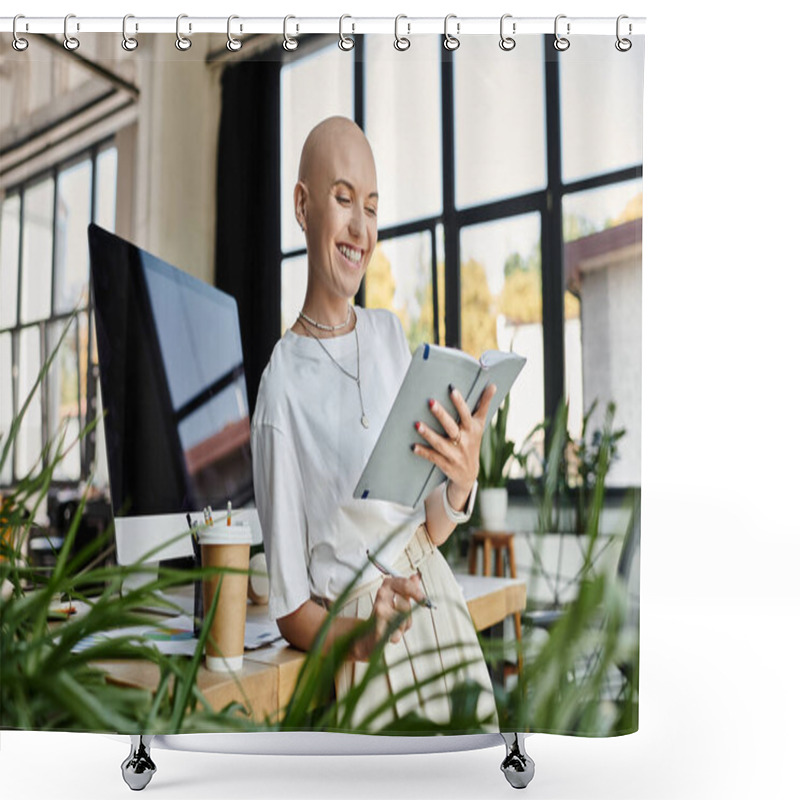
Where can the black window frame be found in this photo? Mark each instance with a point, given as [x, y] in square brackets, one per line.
[87, 443]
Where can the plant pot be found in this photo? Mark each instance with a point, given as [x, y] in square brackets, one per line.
[494, 506]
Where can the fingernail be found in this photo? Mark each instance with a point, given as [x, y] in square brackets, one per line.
[431, 404]
[417, 425]
[413, 448]
[451, 388]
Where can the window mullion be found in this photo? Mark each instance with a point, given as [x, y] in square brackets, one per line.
[44, 392]
[81, 389]
[87, 443]
[359, 117]
[53, 253]
[45, 384]
[452, 268]
[15, 335]
[20, 254]
[552, 244]
[434, 285]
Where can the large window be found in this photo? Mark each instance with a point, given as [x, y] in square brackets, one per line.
[44, 294]
[510, 212]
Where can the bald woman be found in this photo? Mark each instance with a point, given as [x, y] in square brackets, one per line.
[322, 401]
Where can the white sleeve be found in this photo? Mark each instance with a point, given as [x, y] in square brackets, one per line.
[279, 499]
[402, 344]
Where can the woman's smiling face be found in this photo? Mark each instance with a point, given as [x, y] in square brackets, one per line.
[337, 202]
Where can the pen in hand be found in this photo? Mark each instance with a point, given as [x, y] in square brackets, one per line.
[392, 574]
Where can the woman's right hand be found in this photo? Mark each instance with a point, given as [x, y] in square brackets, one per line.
[394, 598]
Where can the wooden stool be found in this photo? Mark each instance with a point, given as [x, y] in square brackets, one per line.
[499, 544]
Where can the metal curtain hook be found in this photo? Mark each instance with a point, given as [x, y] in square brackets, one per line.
[288, 42]
[19, 44]
[451, 42]
[233, 44]
[507, 42]
[345, 42]
[181, 42]
[401, 42]
[70, 42]
[128, 42]
[623, 45]
[561, 43]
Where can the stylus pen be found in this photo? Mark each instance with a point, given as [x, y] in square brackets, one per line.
[392, 574]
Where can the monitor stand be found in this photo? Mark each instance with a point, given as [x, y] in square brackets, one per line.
[184, 603]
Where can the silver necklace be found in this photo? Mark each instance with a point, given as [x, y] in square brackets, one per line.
[356, 377]
[322, 325]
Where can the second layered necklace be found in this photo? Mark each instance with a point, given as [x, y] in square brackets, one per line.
[357, 377]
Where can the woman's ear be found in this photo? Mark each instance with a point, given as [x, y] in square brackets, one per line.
[301, 204]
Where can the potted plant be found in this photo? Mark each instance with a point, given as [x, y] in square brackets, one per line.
[564, 479]
[48, 681]
[496, 453]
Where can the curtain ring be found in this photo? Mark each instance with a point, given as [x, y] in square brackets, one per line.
[561, 43]
[507, 42]
[232, 44]
[345, 42]
[70, 42]
[181, 42]
[401, 43]
[288, 42]
[19, 44]
[451, 42]
[129, 43]
[623, 45]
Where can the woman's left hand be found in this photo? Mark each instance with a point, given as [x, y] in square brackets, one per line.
[458, 453]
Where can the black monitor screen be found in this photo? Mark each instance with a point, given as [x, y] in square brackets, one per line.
[172, 382]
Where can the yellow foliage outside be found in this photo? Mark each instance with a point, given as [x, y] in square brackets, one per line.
[572, 306]
[478, 312]
[426, 313]
[380, 286]
[520, 301]
[632, 210]
[521, 298]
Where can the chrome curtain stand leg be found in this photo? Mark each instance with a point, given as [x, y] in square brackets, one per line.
[517, 766]
[138, 768]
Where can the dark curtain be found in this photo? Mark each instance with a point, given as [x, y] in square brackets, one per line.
[248, 236]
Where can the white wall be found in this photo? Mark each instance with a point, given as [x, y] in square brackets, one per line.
[174, 212]
[611, 319]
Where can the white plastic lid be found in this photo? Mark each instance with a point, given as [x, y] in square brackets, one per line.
[222, 533]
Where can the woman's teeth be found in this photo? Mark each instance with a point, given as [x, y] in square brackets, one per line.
[350, 254]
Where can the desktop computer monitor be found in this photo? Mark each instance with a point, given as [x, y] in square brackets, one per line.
[177, 425]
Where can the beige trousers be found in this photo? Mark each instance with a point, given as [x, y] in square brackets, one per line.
[437, 652]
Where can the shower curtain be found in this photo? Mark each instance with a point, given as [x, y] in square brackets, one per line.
[510, 219]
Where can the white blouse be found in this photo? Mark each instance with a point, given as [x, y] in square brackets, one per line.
[309, 449]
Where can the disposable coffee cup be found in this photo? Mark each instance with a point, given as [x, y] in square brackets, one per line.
[227, 546]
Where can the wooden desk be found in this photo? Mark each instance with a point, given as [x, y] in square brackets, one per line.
[491, 600]
[266, 685]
